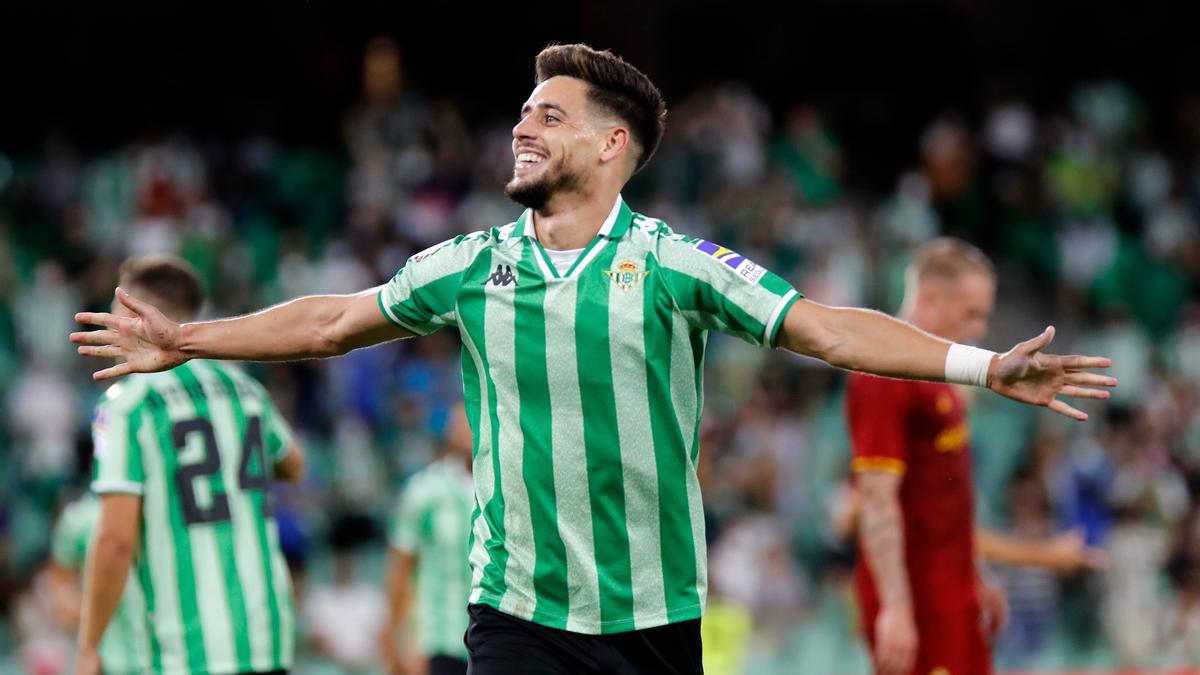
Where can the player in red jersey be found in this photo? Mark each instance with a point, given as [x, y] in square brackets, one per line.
[922, 600]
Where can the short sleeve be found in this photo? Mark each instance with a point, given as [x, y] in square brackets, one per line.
[423, 295]
[116, 439]
[69, 541]
[404, 531]
[719, 289]
[877, 411]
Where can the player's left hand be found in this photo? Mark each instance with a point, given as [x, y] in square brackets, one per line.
[1025, 374]
[88, 662]
[993, 607]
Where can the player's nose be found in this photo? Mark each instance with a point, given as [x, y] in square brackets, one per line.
[525, 129]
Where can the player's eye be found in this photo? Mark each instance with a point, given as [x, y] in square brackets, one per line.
[551, 119]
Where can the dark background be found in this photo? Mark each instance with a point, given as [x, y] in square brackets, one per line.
[880, 69]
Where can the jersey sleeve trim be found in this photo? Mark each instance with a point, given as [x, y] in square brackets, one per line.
[392, 318]
[117, 486]
[883, 464]
[771, 334]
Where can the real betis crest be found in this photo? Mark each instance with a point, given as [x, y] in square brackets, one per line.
[626, 274]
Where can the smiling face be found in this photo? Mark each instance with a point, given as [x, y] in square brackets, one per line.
[560, 142]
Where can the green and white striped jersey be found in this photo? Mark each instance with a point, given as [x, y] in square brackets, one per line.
[433, 522]
[584, 394]
[124, 648]
[198, 443]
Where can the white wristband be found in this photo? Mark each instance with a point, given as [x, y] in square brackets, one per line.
[968, 365]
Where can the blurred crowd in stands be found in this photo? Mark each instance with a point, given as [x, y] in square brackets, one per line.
[1091, 218]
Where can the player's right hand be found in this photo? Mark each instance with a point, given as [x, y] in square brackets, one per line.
[895, 641]
[1025, 373]
[146, 340]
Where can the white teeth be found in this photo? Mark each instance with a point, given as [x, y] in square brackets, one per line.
[529, 157]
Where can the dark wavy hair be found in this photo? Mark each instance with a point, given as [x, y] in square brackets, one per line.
[613, 85]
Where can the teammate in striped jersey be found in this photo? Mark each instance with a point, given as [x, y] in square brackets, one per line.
[583, 382]
[428, 560]
[124, 649]
[183, 464]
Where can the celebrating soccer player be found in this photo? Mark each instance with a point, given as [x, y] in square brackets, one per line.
[583, 327]
[184, 461]
[922, 601]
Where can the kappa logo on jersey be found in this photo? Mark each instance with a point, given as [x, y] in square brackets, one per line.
[626, 275]
[745, 268]
[503, 276]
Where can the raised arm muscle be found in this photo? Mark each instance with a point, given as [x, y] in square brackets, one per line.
[863, 340]
[310, 327]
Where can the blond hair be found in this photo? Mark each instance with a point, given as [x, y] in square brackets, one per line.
[947, 259]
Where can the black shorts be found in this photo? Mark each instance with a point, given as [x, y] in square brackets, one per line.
[505, 645]
[440, 664]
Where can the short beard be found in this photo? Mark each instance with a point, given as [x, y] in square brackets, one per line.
[535, 194]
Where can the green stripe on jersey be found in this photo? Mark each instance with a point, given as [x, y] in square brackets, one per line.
[187, 625]
[235, 606]
[589, 522]
[489, 556]
[602, 448]
[259, 501]
[537, 460]
[210, 567]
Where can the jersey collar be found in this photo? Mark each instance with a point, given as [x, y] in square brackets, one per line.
[614, 226]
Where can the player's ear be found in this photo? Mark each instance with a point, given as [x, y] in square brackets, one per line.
[616, 141]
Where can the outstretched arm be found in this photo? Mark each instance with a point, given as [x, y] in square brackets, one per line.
[312, 327]
[872, 342]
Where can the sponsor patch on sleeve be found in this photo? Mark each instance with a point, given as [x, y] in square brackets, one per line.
[745, 267]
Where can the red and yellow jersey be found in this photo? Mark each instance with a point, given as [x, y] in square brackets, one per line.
[919, 430]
